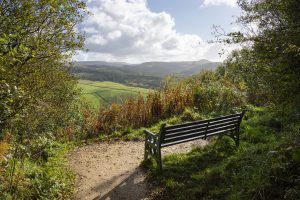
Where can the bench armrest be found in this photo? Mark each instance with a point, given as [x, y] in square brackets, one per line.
[149, 133]
[151, 138]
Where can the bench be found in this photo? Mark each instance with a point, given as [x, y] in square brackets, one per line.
[180, 133]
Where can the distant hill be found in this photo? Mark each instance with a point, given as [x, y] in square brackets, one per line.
[148, 74]
[162, 69]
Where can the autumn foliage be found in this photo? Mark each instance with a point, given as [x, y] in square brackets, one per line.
[172, 99]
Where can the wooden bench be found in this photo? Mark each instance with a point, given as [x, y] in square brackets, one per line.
[175, 134]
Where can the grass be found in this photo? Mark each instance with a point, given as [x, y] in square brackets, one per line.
[106, 93]
[265, 166]
[47, 177]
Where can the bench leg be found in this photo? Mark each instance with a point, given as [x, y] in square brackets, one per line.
[236, 137]
[158, 160]
[146, 151]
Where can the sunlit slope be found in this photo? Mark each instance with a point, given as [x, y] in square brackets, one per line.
[106, 93]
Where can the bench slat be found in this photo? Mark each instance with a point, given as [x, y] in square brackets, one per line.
[216, 129]
[215, 121]
[216, 125]
[203, 128]
[227, 116]
[179, 137]
[219, 132]
[226, 128]
[182, 141]
[185, 130]
[169, 143]
[187, 124]
[189, 129]
[203, 121]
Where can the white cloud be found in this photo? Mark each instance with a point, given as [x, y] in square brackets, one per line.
[114, 35]
[207, 3]
[126, 30]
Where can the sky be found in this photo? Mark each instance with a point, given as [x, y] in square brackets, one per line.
[136, 31]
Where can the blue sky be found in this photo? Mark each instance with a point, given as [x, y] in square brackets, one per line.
[192, 18]
[136, 31]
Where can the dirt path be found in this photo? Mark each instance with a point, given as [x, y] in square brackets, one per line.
[111, 170]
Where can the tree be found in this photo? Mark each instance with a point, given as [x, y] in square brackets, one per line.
[37, 40]
[271, 49]
[37, 93]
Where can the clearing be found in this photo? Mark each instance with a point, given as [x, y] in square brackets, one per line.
[110, 170]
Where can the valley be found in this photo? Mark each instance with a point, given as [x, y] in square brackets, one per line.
[146, 75]
[104, 83]
[106, 93]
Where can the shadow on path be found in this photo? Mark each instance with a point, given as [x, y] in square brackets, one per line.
[134, 187]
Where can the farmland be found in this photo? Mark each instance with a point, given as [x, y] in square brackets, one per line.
[105, 93]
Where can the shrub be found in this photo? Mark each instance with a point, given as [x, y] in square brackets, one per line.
[225, 146]
[190, 115]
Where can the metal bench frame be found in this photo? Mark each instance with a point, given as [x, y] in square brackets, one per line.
[180, 133]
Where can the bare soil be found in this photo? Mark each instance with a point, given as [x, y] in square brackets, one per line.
[110, 170]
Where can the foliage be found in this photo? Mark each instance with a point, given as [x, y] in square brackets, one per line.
[216, 95]
[174, 98]
[241, 68]
[86, 123]
[269, 60]
[38, 97]
[36, 38]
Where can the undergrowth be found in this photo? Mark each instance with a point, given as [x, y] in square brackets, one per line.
[43, 178]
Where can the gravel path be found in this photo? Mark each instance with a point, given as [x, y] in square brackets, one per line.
[111, 170]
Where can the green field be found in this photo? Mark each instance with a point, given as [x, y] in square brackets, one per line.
[106, 93]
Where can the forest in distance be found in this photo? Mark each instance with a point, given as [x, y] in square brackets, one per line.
[147, 75]
[51, 114]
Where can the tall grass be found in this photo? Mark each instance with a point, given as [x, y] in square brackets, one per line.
[145, 111]
[201, 92]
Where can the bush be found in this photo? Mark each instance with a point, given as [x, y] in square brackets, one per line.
[190, 115]
[225, 146]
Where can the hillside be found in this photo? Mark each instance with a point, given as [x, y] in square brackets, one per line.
[162, 69]
[148, 74]
[105, 93]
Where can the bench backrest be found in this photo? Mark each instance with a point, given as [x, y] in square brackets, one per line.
[180, 133]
